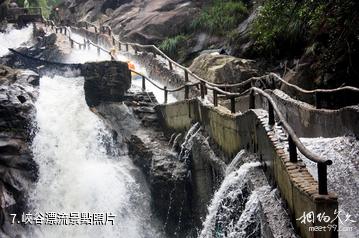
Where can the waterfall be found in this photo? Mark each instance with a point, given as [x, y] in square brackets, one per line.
[230, 205]
[13, 38]
[80, 170]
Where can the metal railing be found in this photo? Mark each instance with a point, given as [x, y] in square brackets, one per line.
[294, 142]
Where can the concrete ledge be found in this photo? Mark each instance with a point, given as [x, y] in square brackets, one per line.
[305, 119]
[233, 132]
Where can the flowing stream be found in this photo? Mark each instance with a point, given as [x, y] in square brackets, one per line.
[80, 171]
[343, 176]
[14, 38]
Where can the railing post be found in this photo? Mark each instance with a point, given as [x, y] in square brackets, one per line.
[98, 51]
[233, 105]
[56, 30]
[203, 85]
[170, 65]
[215, 98]
[85, 44]
[126, 47]
[166, 94]
[65, 30]
[60, 30]
[135, 50]
[113, 40]
[322, 179]
[72, 43]
[292, 150]
[109, 31]
[317, 100]
[80, 46]
[271, 120]
[96, 30]
[119, 46]
[143, 83]
[186, 75]
[86, 26]
[186, 91]
[252, 103]
[154, 54]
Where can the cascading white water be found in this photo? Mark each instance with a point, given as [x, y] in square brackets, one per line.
[14, 38]
[82, 56]
[224, 201]
[77, 171]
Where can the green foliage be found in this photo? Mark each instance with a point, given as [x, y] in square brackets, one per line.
[220, 17]
[286, 24]
[172, 45]
[46, 5]
[327, 30]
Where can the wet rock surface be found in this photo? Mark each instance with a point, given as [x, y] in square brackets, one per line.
[18, 171]
[105, 81]
[142, 21]
[136, 122]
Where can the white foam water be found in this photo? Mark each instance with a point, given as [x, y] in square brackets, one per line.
[13, 38]
[229, 191]
[81, 56]
[79, 173]
[343, 174]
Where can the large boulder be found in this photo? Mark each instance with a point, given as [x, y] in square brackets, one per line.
[105, 81]
[221, 69]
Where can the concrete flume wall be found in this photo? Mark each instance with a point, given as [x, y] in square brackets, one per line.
[233, 132]
[306, 120]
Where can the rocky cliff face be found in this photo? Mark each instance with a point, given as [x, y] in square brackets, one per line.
[18, 171]
[144, 21]
[135, 126]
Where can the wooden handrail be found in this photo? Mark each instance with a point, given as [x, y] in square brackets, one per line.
[293, 140]
[314, 90]
[235, 85]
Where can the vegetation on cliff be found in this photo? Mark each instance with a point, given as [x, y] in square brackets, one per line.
[172, 45]
[321, 33]
[46, 5]
[325, 30]
[220, 17]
